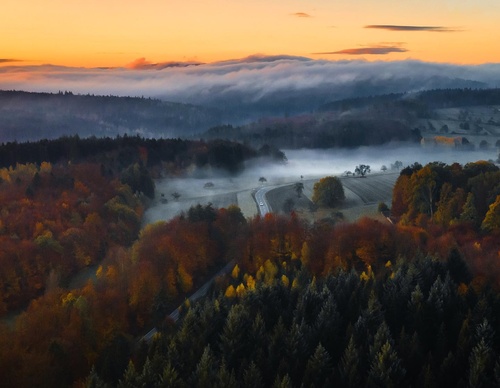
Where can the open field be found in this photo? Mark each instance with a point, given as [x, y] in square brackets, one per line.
[476, 123]
[373, 188]
[362, 197]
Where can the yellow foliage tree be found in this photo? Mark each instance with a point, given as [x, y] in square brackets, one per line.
[185, 279]
[492, 219]
[270, 271]
[236, 272]
[250, 282]
[240, 290]
[230, 292]
[305, 253]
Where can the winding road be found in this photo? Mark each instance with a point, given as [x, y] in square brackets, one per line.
[260, 198]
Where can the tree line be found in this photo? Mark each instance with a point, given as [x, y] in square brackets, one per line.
[170, 156]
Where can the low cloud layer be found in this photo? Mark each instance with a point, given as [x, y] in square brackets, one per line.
[391, 27]
[255, 86]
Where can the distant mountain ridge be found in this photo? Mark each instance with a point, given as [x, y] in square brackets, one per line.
[31, 116]
[350, 122]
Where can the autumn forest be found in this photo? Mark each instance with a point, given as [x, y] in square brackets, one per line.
[411, 302]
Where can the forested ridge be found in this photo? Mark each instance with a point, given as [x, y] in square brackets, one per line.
[320, 132]
[415, 303]
[30, 116]
[420, 103]
[167, 156]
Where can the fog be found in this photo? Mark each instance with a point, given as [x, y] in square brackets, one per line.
[315, 163]
[303, 165]
[254, 86]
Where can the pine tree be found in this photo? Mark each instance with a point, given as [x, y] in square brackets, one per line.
[233, 338]
[318, 369]
[130, 377]
[170, 378]
[147, 378]
[284, 382]
[382, 336]
[480, 365]
[94, 381]
[226, 378]
[252, 377]
[448, 376]
[206, 371]
[327, 325]
[457, 267]
[348, 368]
[482, 357]
[386, 369]
[426, 378]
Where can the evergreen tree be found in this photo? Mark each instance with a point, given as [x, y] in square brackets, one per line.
[226, 378]
[94, 381]
[457, 267]
[233, 339]
[482, 357]
[147, 378]
[284, 382]
[130, 378]
[448, 376]
[481, 365]
[170, 378]
[205, 374]
[252, 377]
[386, 369]
[318, 369]
[382, 336]
[349, 374]
[426, 378]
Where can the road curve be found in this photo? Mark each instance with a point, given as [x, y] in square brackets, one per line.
[260, 198]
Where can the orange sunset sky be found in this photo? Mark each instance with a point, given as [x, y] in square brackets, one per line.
[93, 33]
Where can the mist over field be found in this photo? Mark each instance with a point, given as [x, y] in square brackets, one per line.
[307, 165]
[255, 86]
[314, 163]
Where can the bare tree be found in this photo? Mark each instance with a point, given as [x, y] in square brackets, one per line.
[299, 188]
[397, 165]
[175, 195]
[362, 170]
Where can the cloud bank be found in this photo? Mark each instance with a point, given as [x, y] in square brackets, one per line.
[255, 86]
